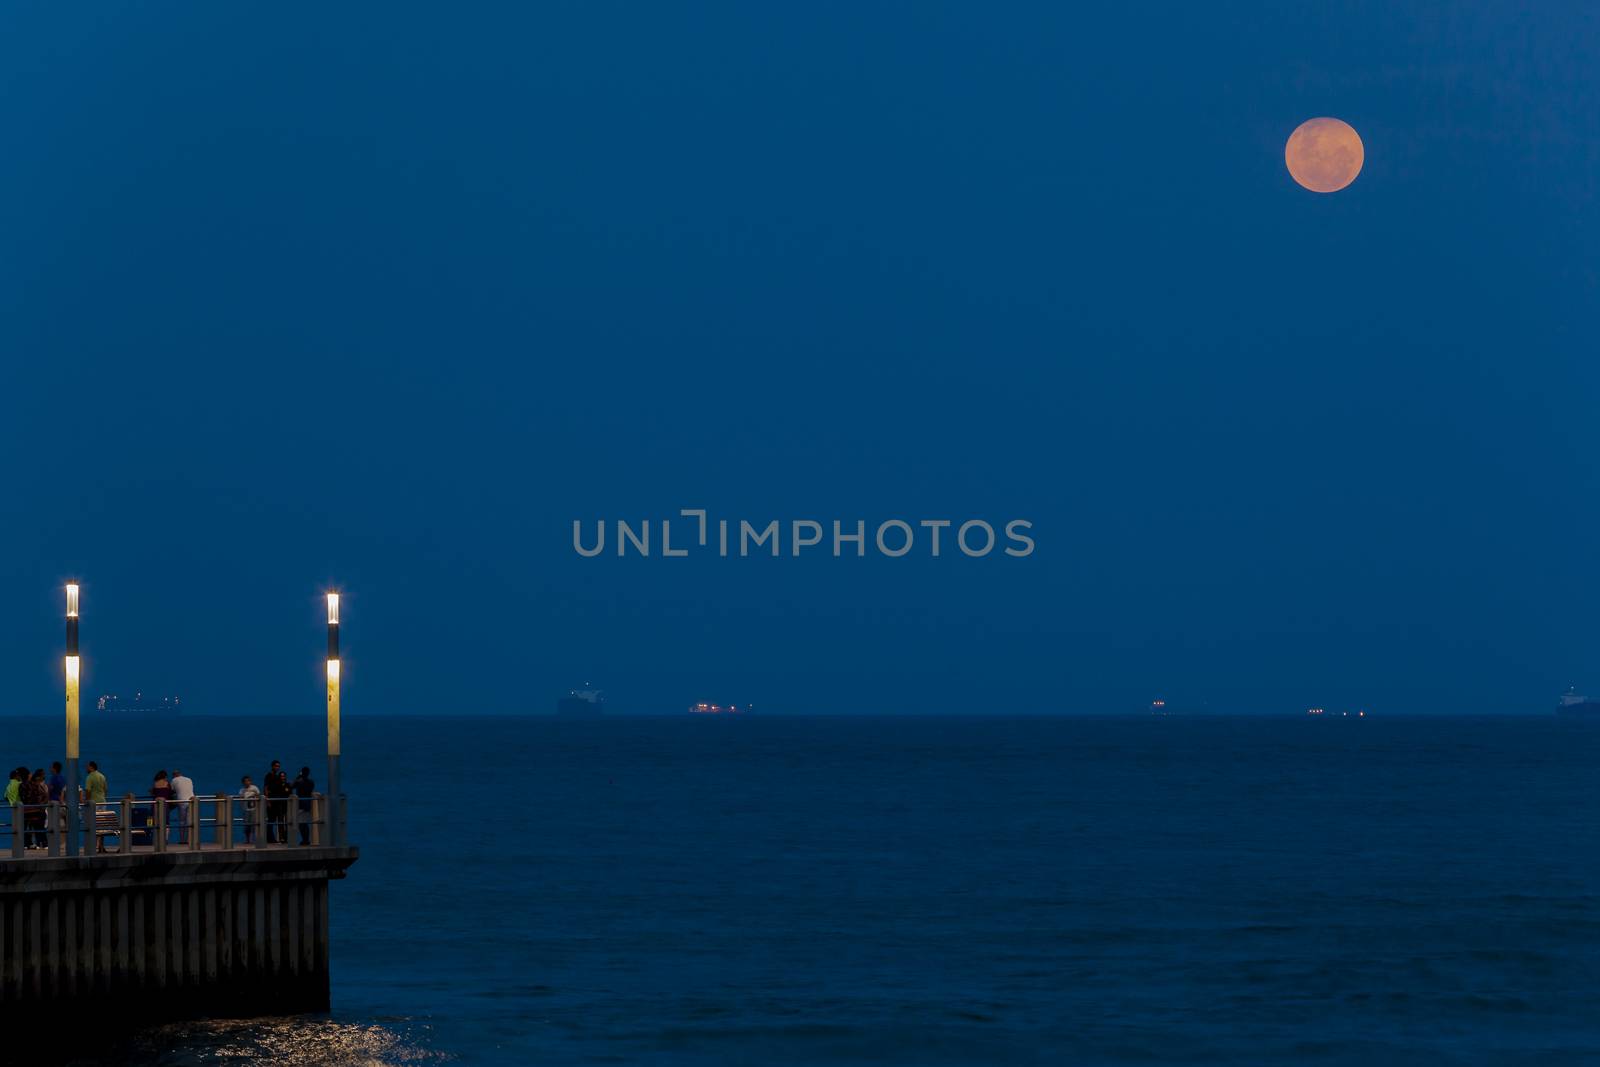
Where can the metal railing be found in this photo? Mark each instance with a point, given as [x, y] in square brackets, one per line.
[156, 825]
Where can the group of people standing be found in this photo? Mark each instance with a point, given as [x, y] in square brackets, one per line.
[278, 791]
[35, 790]
[177, 790]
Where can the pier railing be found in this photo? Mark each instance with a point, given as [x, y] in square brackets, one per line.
[156, 825]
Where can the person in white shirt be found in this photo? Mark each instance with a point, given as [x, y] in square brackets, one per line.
[182, 793]
[251, 795]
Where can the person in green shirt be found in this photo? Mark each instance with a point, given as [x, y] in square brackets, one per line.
[94, 786]
[94, 791]
[14, 790]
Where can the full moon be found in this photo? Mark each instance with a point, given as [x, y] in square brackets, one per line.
[1324, 155]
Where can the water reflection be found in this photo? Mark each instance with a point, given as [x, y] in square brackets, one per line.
[307, 1040]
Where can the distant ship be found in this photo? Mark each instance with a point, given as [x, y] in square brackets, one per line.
[139, 704]
[717, 709]
[1579, 707]
[1162, 707]
[582, 703]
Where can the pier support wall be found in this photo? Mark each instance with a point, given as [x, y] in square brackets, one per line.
[153, 938]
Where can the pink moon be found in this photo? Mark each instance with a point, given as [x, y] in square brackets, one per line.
[1324, 154]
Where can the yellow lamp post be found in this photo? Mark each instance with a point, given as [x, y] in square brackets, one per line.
[70, 796]
[335, 823]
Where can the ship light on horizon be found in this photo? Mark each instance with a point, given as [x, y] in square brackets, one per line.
[703, 708]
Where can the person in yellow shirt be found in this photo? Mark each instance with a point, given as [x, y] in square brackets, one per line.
[94, 786]
[94, 791]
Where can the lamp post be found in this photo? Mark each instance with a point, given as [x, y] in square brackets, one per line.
[70, 796]
[335, 824]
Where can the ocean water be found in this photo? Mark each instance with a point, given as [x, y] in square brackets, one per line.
[695, 891]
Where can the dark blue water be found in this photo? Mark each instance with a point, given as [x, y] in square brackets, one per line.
[933, 891]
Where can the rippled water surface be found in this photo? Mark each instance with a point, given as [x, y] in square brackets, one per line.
[932, 891]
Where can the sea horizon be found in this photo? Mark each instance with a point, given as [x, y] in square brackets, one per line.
[90, 719]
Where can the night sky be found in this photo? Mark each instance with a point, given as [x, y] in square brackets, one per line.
[385, 296]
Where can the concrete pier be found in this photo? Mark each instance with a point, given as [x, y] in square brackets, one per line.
[147, 937]
[142, 910]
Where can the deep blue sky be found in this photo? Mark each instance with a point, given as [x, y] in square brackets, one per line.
[388, 295]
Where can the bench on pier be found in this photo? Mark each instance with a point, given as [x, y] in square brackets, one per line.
[107, 823]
